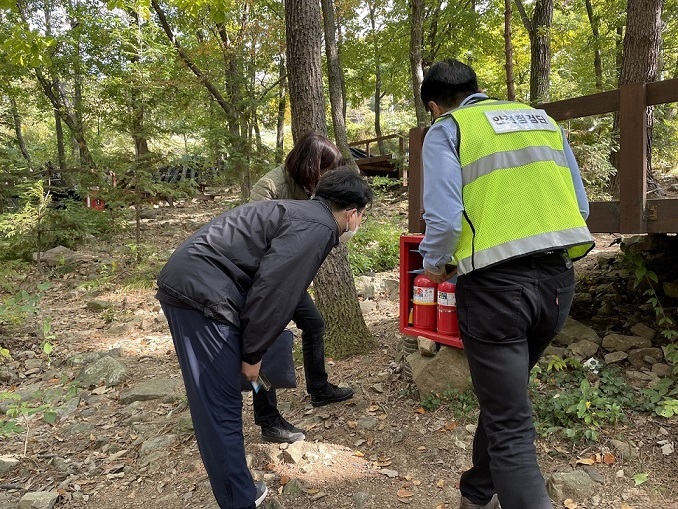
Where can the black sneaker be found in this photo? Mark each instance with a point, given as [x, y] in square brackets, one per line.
[291, 427]
[331, 394]
[281, 433]
[262, 491]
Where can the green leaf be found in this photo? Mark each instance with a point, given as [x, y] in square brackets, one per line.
[640, 478]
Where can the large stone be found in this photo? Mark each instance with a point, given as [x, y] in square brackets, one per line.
[583, 349]
[671, 289]
[641, 356]
[614, 357]
[576, 485]
[642, 330]
[7, 463]
[427, 347]
[662, 370]
[621, 343]
[59, 255]
[38, 500]
[108, 370]
[447, 370]
[575, 331]
[165, 389]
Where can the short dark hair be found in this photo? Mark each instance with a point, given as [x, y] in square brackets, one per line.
[344, 189]
[311, 156]
[448, 82]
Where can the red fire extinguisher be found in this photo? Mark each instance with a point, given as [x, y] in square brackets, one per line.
[447, 309]
[424, 300]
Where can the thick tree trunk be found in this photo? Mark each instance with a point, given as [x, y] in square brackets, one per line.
[282, 107]
[335, 78]
[377, 78]
[416, 60]
[539, 29]
[304, 67]
[61, 148]
[595, 31]
[334, 287]
[16, 118]
[640, 64]
[136, 96]
[508, 50]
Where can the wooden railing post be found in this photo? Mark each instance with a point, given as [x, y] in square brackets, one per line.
[415, 223]
[632, 171]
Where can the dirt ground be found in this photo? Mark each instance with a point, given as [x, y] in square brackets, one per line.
[378, 450]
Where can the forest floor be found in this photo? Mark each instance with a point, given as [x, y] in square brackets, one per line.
[377, 450]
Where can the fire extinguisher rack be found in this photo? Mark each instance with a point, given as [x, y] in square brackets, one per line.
[410, 267]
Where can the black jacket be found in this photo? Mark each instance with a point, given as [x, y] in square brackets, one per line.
[250, 266]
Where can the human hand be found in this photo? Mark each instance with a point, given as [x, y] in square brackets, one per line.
[250, 371]
[450, 270]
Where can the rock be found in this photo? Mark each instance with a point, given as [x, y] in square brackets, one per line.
[583, 349]
[368, 422]
[641, 356]
[583, 298]
[605, 259]
[576, 485]
[639, 376]
[626, 450]
[167, 389]
[554, 350]
[642, 330]
[8, 375]
[622, 343]
[614, 357]
[294, 488]
[606, 309]
[59, 255]
[367, 306]
[33, 363]
[594, 474]
[108, 370]
[662, 370]
[7, 463]
[671, 289]
[575, 331]
[448, 369]
[365, 287]
[360, 499]
[38, 500]
[427, 347]
[98, 305]
[155, 444]
[90, 357]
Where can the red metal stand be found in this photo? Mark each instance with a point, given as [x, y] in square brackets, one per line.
[411, 261]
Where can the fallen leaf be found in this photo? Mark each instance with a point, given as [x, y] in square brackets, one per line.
[284, 479]
[570, 504]
[416, 483]
[385, 463]
[440, 483]
[421, 448]
[404, 494]
[586, 461]
[359, 454]
[609, 459]
[626, 506]
[373, 407]
[420, 410]
[388, 473]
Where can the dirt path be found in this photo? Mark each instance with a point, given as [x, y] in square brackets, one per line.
[376, 451]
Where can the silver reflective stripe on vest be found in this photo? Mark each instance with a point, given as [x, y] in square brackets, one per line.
[562, 239]
[512, 159]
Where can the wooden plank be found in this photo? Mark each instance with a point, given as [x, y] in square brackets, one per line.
[372, 140]
[661, 92]
[375, 159]
[632, 171]
[415, 223]
[596, 104]
[662, 215]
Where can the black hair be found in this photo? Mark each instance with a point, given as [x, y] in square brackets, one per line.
[344, 189]
[448, 82]
[311, 157]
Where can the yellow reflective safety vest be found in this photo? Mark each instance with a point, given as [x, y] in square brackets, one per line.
[517, 191]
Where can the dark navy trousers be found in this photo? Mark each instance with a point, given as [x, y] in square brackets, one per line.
[209, 357]
[307, 318]
[508, 314]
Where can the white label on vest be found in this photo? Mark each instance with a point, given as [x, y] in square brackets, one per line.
[423, 295]
[447, 299]
[508, 121]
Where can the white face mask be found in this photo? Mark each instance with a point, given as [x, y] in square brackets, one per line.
[348, 234]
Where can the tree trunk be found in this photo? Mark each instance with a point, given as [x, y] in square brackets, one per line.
[640, 64]
[416, 61]
[377, 78]
[335, 78]
[136, 95]
[539, 29]
[304, 67]
[334, 287]
[595, 31]
[16, 117]
[282, 107]
[61, 148]
[508, 50]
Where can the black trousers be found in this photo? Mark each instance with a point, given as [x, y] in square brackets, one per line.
[508, 314]
[209, 357]
[310, 321]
